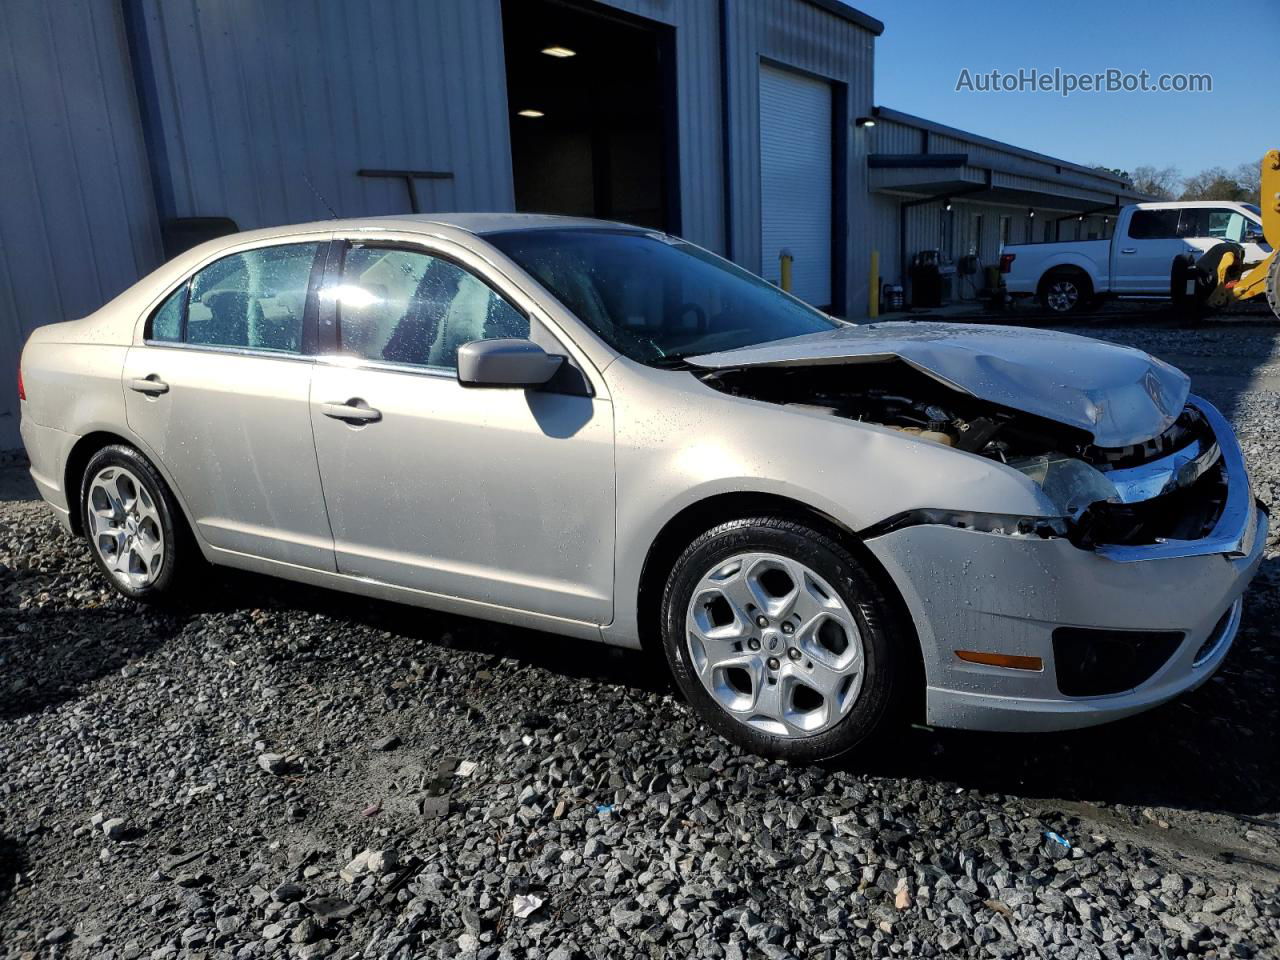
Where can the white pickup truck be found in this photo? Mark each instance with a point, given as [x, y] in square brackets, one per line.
[1070, 275]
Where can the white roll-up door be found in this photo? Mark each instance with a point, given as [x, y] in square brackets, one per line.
[795, 180]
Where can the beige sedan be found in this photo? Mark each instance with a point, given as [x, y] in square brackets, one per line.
[606, 432]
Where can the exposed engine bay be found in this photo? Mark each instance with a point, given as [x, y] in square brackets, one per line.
[1169, 486]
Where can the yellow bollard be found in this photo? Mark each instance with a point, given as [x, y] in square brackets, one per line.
[784, 269]
[875, 285]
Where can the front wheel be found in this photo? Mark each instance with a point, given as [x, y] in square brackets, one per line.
[133, 525]
[781, 640]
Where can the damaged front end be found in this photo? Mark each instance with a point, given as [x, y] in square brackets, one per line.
[1181, 491]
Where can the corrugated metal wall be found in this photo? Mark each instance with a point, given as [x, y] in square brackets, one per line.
[803, 37]
[76, 219]
[256, 99]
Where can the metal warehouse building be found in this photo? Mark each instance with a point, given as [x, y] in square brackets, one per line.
[129, 128]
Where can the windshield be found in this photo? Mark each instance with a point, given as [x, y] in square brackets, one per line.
[654, 298]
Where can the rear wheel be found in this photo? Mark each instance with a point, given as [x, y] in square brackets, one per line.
[1065, 292]
[132, 524]
[781, 640]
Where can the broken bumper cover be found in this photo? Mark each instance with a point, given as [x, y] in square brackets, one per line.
[972, 590]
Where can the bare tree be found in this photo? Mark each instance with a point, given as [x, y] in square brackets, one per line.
[1250, 178]
[1159, 182]
[1215, 183]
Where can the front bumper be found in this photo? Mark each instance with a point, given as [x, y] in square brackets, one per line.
[970, 590]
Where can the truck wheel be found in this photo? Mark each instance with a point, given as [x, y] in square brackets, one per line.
[1065, 292]
[1273, 286]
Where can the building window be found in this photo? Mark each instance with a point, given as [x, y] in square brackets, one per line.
[1006, 231]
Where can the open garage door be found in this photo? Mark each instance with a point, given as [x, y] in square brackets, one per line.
[796, 180]
[592, 98]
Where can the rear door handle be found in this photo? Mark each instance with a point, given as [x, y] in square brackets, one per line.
[353, 411]
[1128, 249]
[152, 385]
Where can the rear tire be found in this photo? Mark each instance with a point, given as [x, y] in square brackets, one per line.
[1064, 292]
[802, 679]
[136, 533]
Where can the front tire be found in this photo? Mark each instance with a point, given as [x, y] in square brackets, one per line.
[133, 526]
[781, 640]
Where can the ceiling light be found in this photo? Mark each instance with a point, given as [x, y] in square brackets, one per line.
[865, 122]
[560, 52]
[531, 113]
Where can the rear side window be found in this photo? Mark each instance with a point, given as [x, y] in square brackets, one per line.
[1153, 225]
[407, 307]
[254, 300]
[1219, 224]
[166, 322]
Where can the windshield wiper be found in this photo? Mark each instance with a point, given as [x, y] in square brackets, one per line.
[672, 361]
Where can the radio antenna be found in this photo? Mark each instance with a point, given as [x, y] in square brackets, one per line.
[320, 196]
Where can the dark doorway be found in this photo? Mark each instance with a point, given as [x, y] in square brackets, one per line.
[591, 96]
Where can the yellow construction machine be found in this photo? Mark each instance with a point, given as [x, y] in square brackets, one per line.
[1220, 276]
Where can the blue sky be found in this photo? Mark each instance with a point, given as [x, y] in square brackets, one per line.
[926, 45]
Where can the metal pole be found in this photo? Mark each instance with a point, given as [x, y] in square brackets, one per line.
[874, 305]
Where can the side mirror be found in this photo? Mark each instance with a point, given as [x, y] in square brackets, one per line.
[1254, 236]
[505, 363]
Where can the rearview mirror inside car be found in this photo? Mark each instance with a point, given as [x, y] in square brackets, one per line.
[505, 363]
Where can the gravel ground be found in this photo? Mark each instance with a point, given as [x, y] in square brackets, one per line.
[274, 771]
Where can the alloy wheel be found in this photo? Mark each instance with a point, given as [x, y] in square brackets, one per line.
[1063, 296]
[125, 527]
[774, 645]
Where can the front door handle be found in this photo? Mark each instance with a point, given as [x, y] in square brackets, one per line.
[152, 386]
[1128, 249]
[353, 411]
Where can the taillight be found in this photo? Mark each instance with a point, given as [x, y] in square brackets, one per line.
[22, 391]
[1006, 261]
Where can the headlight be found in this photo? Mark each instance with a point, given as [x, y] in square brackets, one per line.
[1071, 484]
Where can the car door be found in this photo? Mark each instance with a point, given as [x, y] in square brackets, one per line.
[1144, 255]
[503, 496]
[220, 392]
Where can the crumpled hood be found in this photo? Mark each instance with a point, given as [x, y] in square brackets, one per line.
[1119, 395]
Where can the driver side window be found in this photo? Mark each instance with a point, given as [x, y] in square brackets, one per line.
[407, 307]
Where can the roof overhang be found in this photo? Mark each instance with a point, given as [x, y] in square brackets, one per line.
[921, 175]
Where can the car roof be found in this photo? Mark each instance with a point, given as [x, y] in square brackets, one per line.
[475, 223]
[1179, 204]
[482, 223]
